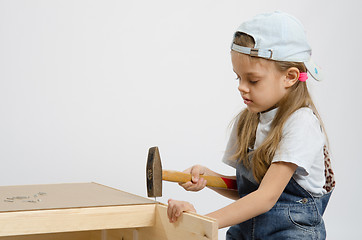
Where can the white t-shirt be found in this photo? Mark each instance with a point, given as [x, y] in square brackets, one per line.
[302, 144]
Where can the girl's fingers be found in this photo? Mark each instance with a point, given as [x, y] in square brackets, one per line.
[186, 185]
[199, 185]
[174, 212]
[178, 212]
[195, 172]
[189, 186]
[202, 183]
[169, 209]
[197, 182]
[175, 209]
[188, 170]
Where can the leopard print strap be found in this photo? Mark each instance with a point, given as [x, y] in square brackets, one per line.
[328, 172]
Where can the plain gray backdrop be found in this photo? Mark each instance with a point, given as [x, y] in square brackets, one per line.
[86, 87]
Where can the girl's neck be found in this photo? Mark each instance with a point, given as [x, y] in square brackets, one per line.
[273, 107]
[267, 116]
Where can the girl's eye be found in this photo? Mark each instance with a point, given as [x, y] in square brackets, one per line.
[253, 81]
[237, 78]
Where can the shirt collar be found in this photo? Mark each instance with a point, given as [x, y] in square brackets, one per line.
[268, 116]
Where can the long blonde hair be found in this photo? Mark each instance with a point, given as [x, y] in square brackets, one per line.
[247, 121]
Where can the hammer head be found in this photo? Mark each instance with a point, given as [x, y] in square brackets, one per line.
[154, 173]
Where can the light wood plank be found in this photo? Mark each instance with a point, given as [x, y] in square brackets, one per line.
[77, 219]
[189, 226]
[86, 235]
[64, 195]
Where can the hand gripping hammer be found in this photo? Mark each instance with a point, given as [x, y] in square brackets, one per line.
[155, 175]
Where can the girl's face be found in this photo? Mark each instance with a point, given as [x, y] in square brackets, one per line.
[261, 85]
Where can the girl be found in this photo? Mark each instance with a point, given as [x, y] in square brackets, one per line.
[277, 144]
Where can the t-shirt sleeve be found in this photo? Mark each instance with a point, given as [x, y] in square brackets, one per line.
[302, 141]
[231, 148]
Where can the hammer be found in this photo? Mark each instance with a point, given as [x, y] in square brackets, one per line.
[155, 175]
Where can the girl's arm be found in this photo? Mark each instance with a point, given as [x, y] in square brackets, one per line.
[199, 183]
[259, 201]
[252, 205]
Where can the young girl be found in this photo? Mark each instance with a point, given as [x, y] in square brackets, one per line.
[277, 144]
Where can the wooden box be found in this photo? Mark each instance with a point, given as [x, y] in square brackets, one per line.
[79, 211]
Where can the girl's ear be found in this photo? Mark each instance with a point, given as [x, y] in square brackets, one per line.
[291, 77]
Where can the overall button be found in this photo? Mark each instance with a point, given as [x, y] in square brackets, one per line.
[304, 200]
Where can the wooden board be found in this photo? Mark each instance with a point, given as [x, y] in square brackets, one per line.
[83, 235]
[76, 219]
[190, 226]
[91, 211]
[67, 195]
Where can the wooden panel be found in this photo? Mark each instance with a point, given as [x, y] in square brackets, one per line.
[86, 235]
[119, 234]
[68, 195]
[65, 220]
[189, 226]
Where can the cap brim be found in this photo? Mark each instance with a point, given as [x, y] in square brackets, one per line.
[314, 70]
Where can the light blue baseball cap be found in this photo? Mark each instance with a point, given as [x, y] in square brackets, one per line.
[278, 36]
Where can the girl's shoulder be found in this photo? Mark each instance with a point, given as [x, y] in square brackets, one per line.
[304, 112]
[303, 122]
[303, 116]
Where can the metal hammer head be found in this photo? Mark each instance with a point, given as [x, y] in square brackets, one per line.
[154, 173]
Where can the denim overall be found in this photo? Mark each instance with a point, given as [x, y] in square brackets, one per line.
[296, 215]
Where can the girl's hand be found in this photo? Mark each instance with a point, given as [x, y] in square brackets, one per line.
[175, 209]
[197, 183]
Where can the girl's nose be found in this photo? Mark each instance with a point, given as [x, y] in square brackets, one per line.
[243, 88]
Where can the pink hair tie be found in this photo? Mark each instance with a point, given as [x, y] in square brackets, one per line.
[303, 76]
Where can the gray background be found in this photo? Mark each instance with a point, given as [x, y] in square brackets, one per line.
[86, 87]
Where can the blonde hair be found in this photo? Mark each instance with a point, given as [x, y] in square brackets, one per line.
[247, 121]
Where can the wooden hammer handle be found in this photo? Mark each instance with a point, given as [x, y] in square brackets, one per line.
[212, 181]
